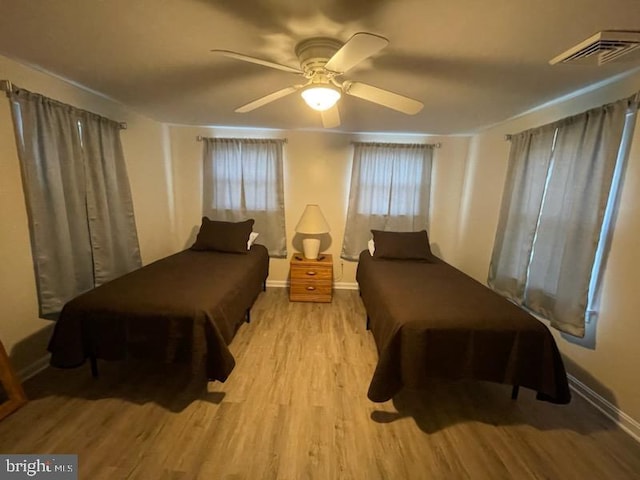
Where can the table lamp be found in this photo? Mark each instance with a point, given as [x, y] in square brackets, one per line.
[312, 222]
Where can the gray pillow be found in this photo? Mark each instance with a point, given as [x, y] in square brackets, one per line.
[402, 245]
[231, 237]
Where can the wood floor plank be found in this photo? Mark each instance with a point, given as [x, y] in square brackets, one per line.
[295, 407]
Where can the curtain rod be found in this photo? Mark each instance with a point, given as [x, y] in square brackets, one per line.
[633, 99]
[200, 138]
[7, 87]
[432, 145]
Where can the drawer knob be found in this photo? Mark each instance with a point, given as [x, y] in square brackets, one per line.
[311, 273]
[310, 288]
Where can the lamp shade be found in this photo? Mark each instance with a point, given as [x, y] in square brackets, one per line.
[312, 221]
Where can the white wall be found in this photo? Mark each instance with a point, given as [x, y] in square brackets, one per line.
[23, 334]
[317, 169]
[608, 361]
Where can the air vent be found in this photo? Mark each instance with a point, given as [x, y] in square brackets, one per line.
[603, 47]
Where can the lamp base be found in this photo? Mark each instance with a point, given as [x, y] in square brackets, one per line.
[311, 248]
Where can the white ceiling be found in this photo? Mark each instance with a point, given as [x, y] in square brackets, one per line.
[472, 63]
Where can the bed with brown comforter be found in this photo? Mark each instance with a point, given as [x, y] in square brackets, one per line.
[429, 320]
[186, 307]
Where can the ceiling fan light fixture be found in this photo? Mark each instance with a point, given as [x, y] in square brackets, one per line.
[321, 61]
[321, 97]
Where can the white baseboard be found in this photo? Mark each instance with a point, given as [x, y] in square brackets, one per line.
[624, 421]
[336, 285]
[33, 369]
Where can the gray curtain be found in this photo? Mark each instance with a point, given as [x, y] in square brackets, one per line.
[552, 214]
[112, 226]
[63, 179]
[242, 178]
[390, 190]
[529, 161]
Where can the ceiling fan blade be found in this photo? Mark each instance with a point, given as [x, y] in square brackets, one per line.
[331, 117]
[357, 48]
[268, 99]
[259, 61]
[383, 97]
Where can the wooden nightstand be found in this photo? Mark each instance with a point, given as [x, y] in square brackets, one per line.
[311, 280]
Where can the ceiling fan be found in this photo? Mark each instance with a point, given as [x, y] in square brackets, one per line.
[322, 62]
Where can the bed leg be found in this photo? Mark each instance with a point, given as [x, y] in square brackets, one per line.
[248, 317]
[514, 392]
[367, 322]
[94, 366]
[264, 286]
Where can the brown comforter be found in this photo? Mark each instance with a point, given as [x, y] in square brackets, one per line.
[431, 320]
[182, 307]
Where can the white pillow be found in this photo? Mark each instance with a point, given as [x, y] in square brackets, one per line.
[252, 238]
[371, 246]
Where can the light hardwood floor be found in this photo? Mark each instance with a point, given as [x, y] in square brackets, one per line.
[295, 407]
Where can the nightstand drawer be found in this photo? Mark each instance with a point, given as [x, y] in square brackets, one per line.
[320, 272]
[310, 290]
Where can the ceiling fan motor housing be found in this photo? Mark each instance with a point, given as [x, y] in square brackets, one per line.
[314, 53]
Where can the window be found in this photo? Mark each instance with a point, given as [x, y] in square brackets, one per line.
[243, 179]
[390, 190]
[553, 230]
